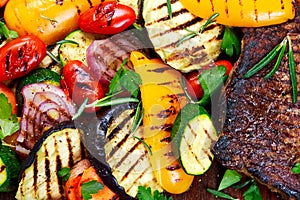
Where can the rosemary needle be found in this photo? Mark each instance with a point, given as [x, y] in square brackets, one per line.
[278, 61]
[169, 6]
[265, 61]
[293, 77]
[201, 29]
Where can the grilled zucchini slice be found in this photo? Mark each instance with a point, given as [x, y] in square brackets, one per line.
[195, 145]
[193, 134]
[60, 147]
[10, 166]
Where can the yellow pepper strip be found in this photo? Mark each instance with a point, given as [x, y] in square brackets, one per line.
[243, 13]
[162, 98]
[49, 20]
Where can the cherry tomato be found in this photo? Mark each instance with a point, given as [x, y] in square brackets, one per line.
[80, 84]
[226, 64]
[193, 86]
[107, 18]
[19, 56]
[10, 96]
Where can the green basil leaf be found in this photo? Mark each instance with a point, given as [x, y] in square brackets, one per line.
[8, 34]
[231, 42]
[210, 81]
[253, 193]
[230, 178]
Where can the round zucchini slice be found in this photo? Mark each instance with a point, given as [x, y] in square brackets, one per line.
[195, 145]
[10, 166]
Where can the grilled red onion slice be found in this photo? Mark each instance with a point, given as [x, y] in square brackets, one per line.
[104, 57]
[44, 106]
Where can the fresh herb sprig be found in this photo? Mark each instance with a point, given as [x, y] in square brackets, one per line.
[210, 80]
[279, 51]
[230, 179]
[8, 123]
[169, 7]
[146, 194]
[89, 188]
[64, 173]
[125, 79]
[231, 42]
[6, 33]
[192, 33]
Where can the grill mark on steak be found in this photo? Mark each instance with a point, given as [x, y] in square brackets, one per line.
[261, 131]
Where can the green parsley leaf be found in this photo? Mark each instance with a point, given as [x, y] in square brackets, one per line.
[89, 188]
[253, 193]
[146, 194]
[231, 42]
[8, 123]
[8, 34]
[64, 173]
[125, 79]
[296, 169]
[210, 81]
[220, 194]
[230, 178]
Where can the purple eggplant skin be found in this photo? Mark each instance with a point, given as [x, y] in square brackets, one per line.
[32, 155]
[93, 139]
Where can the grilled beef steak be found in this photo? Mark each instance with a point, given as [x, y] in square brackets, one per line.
[261, 132]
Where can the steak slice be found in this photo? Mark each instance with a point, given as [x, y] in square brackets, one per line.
[261, 128]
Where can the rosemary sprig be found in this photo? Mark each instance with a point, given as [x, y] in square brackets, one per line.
[265, 61]
[138, 117]
[53, 57]
[277, 64]
[47, 18]
[279, 49]
[80, 109]
[292, 67]
[169, 6]
[201, 29]
[145, 144]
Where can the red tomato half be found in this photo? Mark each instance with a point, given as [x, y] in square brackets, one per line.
[80, 84]
[107, 18]
[10, 96]
[193, 86]
[19, 56]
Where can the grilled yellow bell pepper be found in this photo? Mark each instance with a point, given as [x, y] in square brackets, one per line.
[246, 13]
[49, 20]
[162, 98]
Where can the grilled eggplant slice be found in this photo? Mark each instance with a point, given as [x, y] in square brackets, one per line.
[59, 147]
[113, 148]
[166, 33]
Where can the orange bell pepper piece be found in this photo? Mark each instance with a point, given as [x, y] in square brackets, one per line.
[162, 97]
[246, 13]
[50, 20]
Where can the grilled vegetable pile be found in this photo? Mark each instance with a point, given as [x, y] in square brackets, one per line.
[111, 99]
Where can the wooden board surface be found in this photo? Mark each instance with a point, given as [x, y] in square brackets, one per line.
[211, 179]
